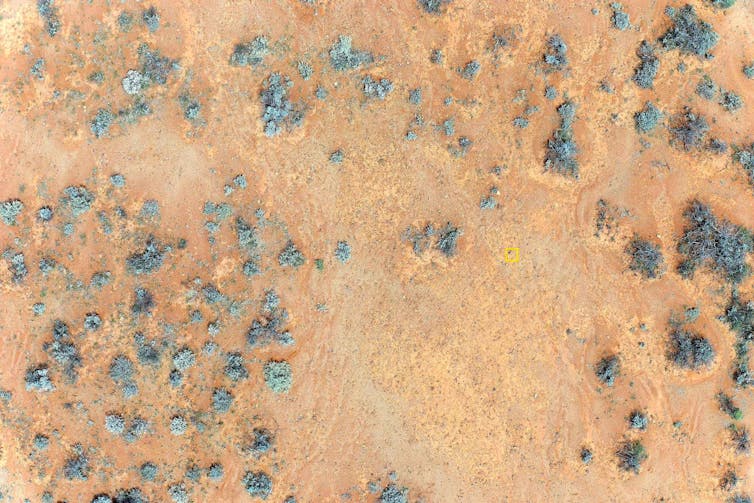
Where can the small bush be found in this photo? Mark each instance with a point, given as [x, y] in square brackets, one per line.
[718, 243]
[561, 148]
[9, 210]
[147, 261]
[689, 350]
[278, 376]
[555, 57]
[728, 407]
[379, 88]
[344, 57]
[291, 256]
[278, 111]
[745, 157]
[151, 19]
[649, 64]
[394, 494]
[647, 118]
[689, 34]
[586, 455]
[637, 420]
[257, 484]
[434, 6]
[706, 88]
[222, 399]
[688, 130]
[631, 455]
[607, 369]
[250, 53]
[730, 101]
[621, 20]
[739, 435]
[646, 258]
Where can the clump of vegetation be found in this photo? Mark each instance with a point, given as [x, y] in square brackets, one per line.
[379, 88]
[278, 376]
[646, 258]
[555, 57]
[257, 484]
[100, 124]
[688, 130]
[343, 56]
[434, 6]
[739, 435]
[49, 14]
[728, 407]
[690, 350]
[689, 34]
[631, 455]
[637, 420]
[561, 148]
[607, 369]
[9, 210]
[647, 118]
[719, 244]
[278, 110]
[649, 64]
[250, 53]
